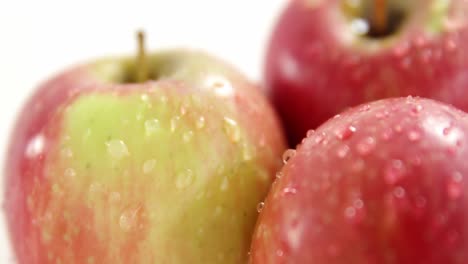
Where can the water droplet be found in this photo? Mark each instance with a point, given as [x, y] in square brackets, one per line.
[279, 174]
[128, 219]
[416, 109]
[310, 132]
[359, 26]
[117, 148]
[224, 184]
[70, 173]
[149, 165]
[247, 152]
[394, 171]
[399, 192]
[187, 136]
[200, 122]
[66, 153]
[288, 154]
[174, 123]
[342, 151]
[232, 129]
[184, 179]
[35, 146]
[151, 126]
[455, 185]
[289, 190]
[144, 97]
[350, 212]
[346, 133]
[260, 206]
[414, 135]
[387, 134]
[366, 146]
[279, 253]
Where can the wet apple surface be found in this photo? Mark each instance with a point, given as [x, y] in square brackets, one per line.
[166, 171]
[326, 56]
[381, 183]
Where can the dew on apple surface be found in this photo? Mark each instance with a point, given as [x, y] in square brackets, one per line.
[279, 174]
[260, 206]
[366, 146]
[394, 171]
[455, 185]
[152, 126]
[35, 147]
[148, 166]
[200, 122]
[231, 128]
[117, 148]
[187, 136]
[288, 154]
[184, 179]
[70, 173]
[128, 218]
[343, 151]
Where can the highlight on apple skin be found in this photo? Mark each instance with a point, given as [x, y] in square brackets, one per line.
[327, 55]
[384, 182]
[104, 169]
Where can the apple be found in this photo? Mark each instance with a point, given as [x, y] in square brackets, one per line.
[326, 56]
[162, 159]
[384, 182]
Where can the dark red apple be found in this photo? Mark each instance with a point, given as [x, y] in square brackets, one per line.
[325, 56]
[382, 183]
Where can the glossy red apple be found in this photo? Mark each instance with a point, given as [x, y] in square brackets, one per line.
[325, 56]
[382, 183]
[106, 166]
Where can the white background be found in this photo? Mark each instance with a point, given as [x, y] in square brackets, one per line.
[41, 38]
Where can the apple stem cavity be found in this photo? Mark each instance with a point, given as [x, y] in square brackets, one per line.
[141, 60]
[380, 17]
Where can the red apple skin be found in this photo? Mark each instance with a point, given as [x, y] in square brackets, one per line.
[382, 183]
[42, 114]
[315, 67]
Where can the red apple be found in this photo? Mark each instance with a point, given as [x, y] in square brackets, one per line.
[325, 56]
[105, 169]
[382, 183]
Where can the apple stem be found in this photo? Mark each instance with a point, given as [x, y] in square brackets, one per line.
[380, 19]
[141, 63]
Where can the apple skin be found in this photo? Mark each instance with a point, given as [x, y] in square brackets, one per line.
[381, 183]
[316, 66]
[166, 171]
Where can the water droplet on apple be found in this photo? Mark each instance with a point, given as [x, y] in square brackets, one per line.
[128, 219]
[288, 154]
[232, 129]
[455, 185]
[184, 179]
[394, 171]
[399, 192]
[200, 122]
[310, 132]
[359, 26]
[342, 151]
[187, 136]
[247, 152]
[117, 148]
[35, 147]
[366, 146]
[70, 173]
[289, 190]
[279, 252]
[414, 135]
[279, 174]
[144, 97]
[346, 132]
[149, 165]
[66, 153]
[224, 184]
[260, 206]
[151, 126]
[350, 212]
[174, 123]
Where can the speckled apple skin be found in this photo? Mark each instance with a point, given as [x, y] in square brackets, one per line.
[166, 171]
[316, 66]
[381, 183]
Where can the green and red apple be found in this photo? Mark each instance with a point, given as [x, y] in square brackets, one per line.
[327, 55]
[105, 169]
[381, 183]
